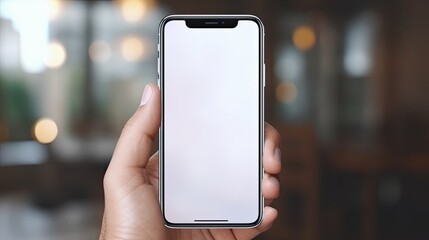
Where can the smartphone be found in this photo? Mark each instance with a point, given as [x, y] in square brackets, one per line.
[211, 76]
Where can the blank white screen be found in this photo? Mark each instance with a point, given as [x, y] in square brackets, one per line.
[211, 123]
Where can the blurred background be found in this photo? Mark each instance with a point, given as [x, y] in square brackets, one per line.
[347, 88]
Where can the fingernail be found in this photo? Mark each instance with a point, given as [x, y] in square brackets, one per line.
[147, 93]
[278, 154]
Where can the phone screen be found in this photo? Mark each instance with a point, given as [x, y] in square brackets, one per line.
[211, 128]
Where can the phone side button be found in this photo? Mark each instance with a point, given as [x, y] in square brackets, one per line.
[157, 66]
[264, 74]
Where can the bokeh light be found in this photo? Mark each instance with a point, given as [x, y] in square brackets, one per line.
[45, 130]
[56, 55]
[133, 10]
[55, 7]
[286, 92]
[99, 51]
[132, 48]
[304, 38]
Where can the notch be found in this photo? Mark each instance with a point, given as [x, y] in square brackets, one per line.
[211, 23]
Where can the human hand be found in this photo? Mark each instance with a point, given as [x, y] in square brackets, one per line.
[132, 209]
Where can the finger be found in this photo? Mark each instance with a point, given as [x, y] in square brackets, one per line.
[270, 214]
[152, 170]
[134, 145]
[270, 187]
[152, 165]
[272, 153]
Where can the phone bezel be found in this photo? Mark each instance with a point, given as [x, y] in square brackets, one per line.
[162, 24]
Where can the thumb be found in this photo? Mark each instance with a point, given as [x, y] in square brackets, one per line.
[135, 143]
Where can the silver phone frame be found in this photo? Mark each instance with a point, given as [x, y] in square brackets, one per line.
[261, 116]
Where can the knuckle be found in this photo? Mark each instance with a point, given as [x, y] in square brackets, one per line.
[128, 126]
[107, 180]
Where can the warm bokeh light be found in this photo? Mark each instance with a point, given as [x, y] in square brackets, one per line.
[132, 48]
[304, 38]
[56, 55]
[99, 51]
[45, 130]
[55, 7]
[133, 10]
[286, 92]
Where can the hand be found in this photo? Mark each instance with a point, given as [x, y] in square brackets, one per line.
[132, 209]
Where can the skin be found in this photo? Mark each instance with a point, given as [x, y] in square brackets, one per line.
[132, 209]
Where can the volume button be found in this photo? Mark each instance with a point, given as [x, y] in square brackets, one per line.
[263, 74]
[158, 56]
[157, 65]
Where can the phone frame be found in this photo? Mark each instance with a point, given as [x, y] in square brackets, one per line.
[261, 116]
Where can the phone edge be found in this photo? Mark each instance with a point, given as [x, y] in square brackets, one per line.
[161, 27]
